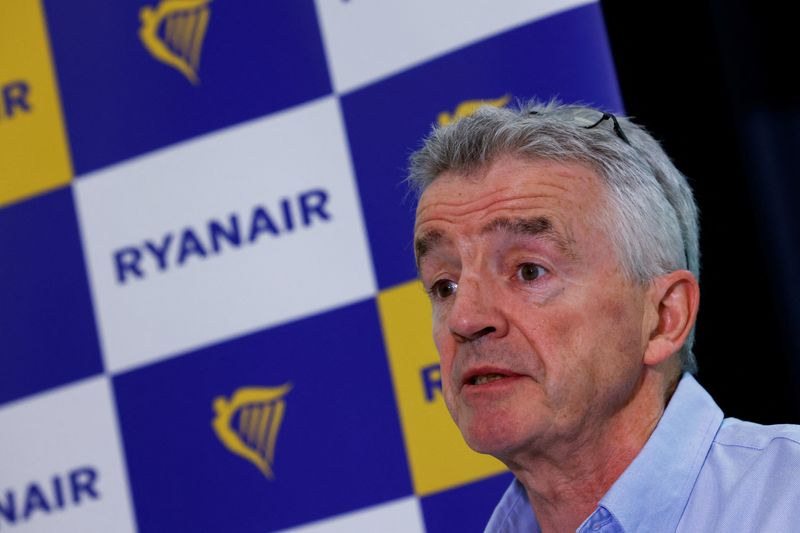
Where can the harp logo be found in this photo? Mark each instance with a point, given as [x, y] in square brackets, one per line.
[468, 107]
[248, 423]
[173, 33]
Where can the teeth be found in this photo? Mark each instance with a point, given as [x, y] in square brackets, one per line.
[486, 378]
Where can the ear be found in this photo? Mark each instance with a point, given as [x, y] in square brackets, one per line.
[675, 298]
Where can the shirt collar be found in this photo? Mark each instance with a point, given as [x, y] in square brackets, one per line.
[653, 491]
[513, 513]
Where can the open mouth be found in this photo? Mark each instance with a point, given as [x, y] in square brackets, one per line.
[486, 375]
[485, 378]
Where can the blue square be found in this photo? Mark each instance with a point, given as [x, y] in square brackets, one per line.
[47, 323]
[339, 446]
[465, 509]
[123, 97]
[565, 56]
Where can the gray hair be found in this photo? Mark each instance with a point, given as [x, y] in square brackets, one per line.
[652, 218]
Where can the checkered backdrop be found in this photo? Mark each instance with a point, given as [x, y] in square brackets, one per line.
[209, 319]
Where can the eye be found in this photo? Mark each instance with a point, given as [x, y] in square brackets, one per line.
[443, 288]
[530, 271]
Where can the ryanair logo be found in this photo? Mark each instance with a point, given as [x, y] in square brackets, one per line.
[468, 107]
[173, 33]
[248, 423]
[175, 248]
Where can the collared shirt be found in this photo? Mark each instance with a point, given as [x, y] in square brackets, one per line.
[697, 472]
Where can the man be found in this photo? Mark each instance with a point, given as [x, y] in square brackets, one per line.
[559, 247]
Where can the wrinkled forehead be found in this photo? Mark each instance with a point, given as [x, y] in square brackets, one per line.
[512, 196]
[512, 176]
[474, 172]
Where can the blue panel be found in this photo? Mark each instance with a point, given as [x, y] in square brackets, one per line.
[120, 101]
[339, 447]
[566, 56]
[47, 327]
[466, 509]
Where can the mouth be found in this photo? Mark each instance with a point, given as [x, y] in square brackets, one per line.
[485, 376]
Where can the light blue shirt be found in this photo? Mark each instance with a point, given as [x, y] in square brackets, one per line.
[696, 473]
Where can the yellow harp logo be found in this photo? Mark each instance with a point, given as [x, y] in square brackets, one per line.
[465, 109]
[248, 423]
[173, 33]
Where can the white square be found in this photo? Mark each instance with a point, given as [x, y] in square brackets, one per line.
[399, 516]
[282, 189]
[62, 466]
[366, 41]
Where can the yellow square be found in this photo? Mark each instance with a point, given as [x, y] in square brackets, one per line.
[35, 157]
[438, 456]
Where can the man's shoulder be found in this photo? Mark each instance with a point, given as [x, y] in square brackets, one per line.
[745, 451]
[748, 481]
[735, 433]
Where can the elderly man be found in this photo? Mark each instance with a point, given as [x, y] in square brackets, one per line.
[559, 247]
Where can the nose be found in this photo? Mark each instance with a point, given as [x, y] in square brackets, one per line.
[475, 313]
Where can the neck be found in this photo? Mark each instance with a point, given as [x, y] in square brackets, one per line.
[565, 483]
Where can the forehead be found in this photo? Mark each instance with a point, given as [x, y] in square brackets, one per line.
[566, 194]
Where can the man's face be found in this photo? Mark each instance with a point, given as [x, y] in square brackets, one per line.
[540, 336]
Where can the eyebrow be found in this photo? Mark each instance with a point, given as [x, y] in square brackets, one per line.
[521, 226]
[425, 242]
[540, 226]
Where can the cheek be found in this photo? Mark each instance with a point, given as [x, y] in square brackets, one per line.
[579, 342]
[555, 334]
[440, 336]
[445, 346]
[602, 339]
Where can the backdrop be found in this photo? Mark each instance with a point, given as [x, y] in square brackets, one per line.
[710, 80]
[208, 308]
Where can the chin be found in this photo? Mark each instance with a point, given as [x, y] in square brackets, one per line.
[495, 436]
